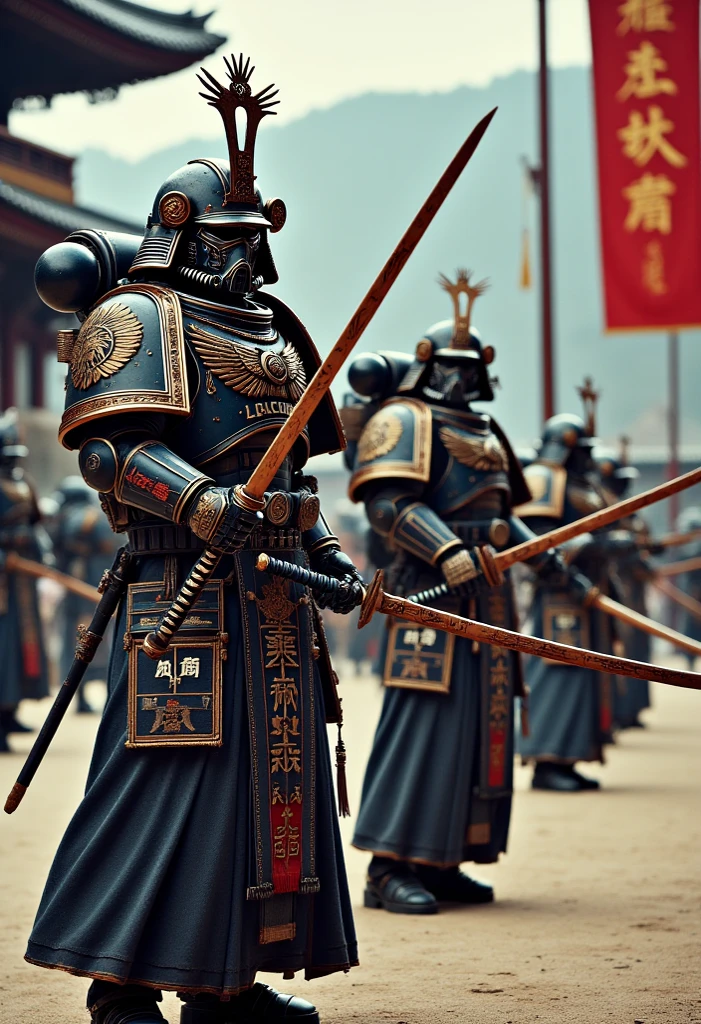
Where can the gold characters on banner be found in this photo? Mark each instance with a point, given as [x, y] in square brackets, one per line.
[647, 132]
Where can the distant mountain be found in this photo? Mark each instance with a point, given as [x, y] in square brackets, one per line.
[353, 176]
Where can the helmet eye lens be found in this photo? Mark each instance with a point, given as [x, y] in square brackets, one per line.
[227, 233]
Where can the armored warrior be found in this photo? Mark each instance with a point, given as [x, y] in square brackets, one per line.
[633, 571]
[570, 708]
[690, 520]
[206, 847]
[438, 481]
[22, 652]
[84, 546]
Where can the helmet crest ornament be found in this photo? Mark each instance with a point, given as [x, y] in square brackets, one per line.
[462, 286]
[625, 443]
[590, 396]
[227, 100]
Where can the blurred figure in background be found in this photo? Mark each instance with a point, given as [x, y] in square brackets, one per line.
[84, 546]
[24, 674]
[632, 572]
[690, 582]
[570, 708]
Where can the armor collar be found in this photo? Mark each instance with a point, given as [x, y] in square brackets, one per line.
[252, 319]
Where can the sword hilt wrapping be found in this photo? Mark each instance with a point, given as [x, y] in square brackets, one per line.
[296, 573]
[432, 594]
[157, 642]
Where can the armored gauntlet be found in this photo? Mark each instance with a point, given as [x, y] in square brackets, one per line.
[218, 518]
[326, 557]
[469, 571]
[149, 476]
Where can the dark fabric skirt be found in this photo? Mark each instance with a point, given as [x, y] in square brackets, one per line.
[568, 719]
[423, 797]
[23, 665]
[149, 883]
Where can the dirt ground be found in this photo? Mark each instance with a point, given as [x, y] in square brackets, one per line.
[597, 916]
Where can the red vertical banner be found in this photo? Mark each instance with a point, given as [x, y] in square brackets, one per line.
[648, 121]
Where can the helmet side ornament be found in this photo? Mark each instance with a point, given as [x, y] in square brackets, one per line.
[590, 396]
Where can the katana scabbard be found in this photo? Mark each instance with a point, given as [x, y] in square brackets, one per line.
[113, 586]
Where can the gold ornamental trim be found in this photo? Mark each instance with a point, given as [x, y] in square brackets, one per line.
[483, 454]
[174, 209]
[176, 396]
[539, 477]
[418, 468]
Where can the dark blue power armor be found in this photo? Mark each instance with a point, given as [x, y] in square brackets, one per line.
[632, 572]
[24, 672]
[206, 847]
[571, 709]
[438, 480]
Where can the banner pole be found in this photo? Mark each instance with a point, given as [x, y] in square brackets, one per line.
[673, 421]
[548, 382]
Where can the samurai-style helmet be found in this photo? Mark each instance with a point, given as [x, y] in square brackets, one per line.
[208, 223]
[11, 447]
[74, 491]
[450, 362]
[615, 471]
[563, 435]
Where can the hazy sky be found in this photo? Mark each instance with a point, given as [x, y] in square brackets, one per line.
[319, 52]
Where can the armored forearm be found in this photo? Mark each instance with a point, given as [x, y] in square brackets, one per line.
[410, 524]
[320, 537]
[326, 557]
[142, 472]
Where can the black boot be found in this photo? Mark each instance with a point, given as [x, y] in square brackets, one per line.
[4, 745]
[451, 885]
[84, 706]
[10, 723]
[558, 778]
[124, 1004]
[584, 781]
[561, 778]
[394, 886]
[262, 1004]
[205, 1009]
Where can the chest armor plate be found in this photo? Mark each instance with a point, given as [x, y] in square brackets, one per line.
[246, 378]
[468, 460]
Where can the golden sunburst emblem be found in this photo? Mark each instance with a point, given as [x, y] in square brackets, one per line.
[380, 436]
[106, 342]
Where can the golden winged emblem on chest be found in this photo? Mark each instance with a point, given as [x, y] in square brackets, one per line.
[106, 342]
[253, 372]
[485, 454]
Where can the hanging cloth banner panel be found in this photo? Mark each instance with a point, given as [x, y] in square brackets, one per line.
[646, 93]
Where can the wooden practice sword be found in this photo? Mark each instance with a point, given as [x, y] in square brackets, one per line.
[376, 600]
[594, 521]
[28, 567]
[252, 494]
